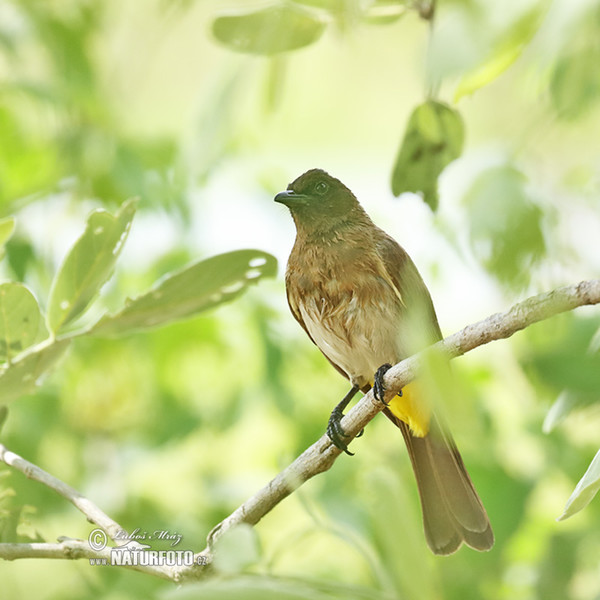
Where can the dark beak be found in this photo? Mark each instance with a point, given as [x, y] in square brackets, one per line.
[290, 198]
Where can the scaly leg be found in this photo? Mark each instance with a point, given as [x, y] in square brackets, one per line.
[334, 428]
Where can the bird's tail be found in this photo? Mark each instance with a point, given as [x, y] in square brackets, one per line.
[452, 510]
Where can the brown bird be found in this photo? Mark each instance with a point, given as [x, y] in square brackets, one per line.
[361, 300]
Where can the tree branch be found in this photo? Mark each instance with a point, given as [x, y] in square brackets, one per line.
[68, 548]
[321, 455]
[71, 549]
[86, 506]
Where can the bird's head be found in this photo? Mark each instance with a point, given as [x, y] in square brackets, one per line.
[319, 202]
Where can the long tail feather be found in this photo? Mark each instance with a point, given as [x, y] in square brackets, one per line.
[452, 510]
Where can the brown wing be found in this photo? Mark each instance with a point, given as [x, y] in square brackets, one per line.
[410, 286]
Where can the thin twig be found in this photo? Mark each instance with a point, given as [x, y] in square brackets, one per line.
[86, 506]
[71, 549]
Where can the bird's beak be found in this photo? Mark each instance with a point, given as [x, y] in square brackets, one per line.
[290, 198]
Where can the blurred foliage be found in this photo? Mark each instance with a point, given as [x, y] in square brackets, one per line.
[195, 288]
[506, 224]
[170, 428]
[575, 80]
[88, 265]
[434, 137]
[269, 30]
[85, 270]
[56, 119]
[565, 359]
[586, 489]
[505, 50]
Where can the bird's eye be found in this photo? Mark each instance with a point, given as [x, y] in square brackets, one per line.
[321, 188]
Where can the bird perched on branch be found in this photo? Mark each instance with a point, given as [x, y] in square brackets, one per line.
[361, 300]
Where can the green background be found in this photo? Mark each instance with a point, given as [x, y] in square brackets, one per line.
[204, 110]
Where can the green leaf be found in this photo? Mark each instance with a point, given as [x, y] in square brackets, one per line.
[194, 289]
[7, 226]
[20, 320]
[506, 49]
[22, 376]
[20, 256]
[562, 407]
[385, 12]
[88, 265]
[585, 490]
[562, 358]
[575, 82]
[505, 224]
[434, 137]
[270, 30]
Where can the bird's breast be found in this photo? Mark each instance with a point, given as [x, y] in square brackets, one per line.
[350, 312]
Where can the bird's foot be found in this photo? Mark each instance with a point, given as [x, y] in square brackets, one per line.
[334, 426]
[378, 385]
[335, 431]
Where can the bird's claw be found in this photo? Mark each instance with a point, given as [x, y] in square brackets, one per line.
[335, 431]
[378, 385]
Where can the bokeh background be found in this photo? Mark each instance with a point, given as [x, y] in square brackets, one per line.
[172, 429]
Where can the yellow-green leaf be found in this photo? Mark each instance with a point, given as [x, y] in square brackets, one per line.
[269, 30]
[505, 224]
[23, 375]
[20, 320]
[585, 490]
[385, 12]
[194, 289]
[88, 265]
[505, 52]
[7, 227]
[575, 82]
[433, 138]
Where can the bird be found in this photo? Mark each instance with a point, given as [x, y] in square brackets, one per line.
[360, 298]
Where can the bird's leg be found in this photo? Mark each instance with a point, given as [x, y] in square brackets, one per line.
[334, 427]
[378, 385]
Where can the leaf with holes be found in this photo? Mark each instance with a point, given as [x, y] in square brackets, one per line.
[270, 30]
[20, 320]
[585, 490]
[434, 138]
[194, 289]
[22, 376]
[89, 265]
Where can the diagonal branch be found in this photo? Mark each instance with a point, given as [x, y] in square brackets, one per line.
[322, 454]
[72, 549]
[67, 548]
[86, 506]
